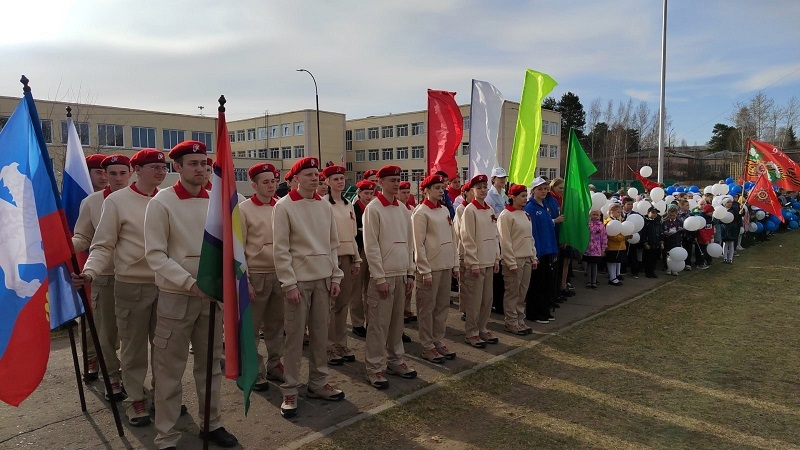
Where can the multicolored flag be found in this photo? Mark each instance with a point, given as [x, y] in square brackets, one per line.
[528, 134]
[222, 273]
[36, 281]
[577, 199]
[767, 159]
[445, 130]
[763, 196]
[486, 108]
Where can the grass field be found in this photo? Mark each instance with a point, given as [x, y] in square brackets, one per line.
[710, 360]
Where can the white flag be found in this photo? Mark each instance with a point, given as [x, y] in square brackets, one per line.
[484, 126]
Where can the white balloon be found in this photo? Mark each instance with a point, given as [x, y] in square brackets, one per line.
[760, 215]
[634, 239]
[716, 201]
[598, 200]
[714, 250]
[627, 228]
[678, 254]
[753, 227]
[727, 218]
[669, 199]
[719, 212]
[657, 194]
[675, 266]
[604, 209]
[693, 223]
[637, 221]
[708, 190]
[692, 203]
[642, 207]
[633, 192]
[614, 228]
[646, 171]
[719, 189]
[662, 206]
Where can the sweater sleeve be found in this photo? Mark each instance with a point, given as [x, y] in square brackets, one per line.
[412, 267]
[280, 248]
[357, 257]
[84, 230]
[505, 225]
[419, 222]
[156, 237]
[105, 241]
[337, 275]
[469, 228]
[372, 248]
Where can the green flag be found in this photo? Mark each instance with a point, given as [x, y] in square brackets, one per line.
[577, 200]
[529, 127]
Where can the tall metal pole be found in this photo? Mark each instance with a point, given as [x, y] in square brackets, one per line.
[661, 112]
[319, 133]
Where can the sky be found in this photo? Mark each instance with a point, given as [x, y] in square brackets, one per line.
[379, 57]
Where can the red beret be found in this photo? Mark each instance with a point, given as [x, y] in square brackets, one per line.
[309, 162]
[465, 187]
[186, 147]
[147, 156]
[478, 179]
[95, 161]
[333, 170]
[708, 208]
[405, 185]
[262, 168]
[430, 180]
[322, 177]
[517, 189]
[370, 173]
[289, 175]
[389, 171]
[111, 160]
[366, 185]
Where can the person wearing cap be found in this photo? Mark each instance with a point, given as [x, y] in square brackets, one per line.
[404, 195]
[305, 248]
[97, 173]
[172, 240]
[615, 249]
[118, 173]
[518, 252]
[730, 230]
[358, 307]
[543, 289]
[497, 198]
[446, 202]
[266, 294]
[322, 187]
[650, 237]
[389, 248]
[478, 228]
[454, 189]
[209, 172]
[291, 183]
[466, 194]
[436, 260]
[119, 243]
[349, 262]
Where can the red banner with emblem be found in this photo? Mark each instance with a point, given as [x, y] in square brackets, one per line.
[763, 196]
[767, 159]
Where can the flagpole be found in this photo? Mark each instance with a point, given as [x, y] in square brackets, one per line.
[661, 112]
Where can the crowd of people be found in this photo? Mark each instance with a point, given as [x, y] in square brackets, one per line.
[318, 260]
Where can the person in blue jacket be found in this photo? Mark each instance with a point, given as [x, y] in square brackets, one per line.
[542, 292]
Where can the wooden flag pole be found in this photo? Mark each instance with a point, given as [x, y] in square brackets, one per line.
[70, 326]
[209, 363]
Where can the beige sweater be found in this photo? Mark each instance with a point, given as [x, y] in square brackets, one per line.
[457, 226]
[479, 237]
[120, 238]
[516, 237]
[388, 239]
[257, 234]
[345, 218]
[173, 237]
[86, 226]
[305, 241]
[434, 239]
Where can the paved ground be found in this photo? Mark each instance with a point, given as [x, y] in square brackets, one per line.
[51, 417]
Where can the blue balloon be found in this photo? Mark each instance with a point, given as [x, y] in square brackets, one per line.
[729, 180]
[771, 226]
[793, 225]
[796, 205]
[670, 190]
[736, 189]
[694, 189]
[749, 185]
[680, 189]
[774, 219]
[759, 227]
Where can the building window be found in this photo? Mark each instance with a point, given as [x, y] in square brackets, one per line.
[240, 173]
[361, 155]
[464, 173]
[273, 131]
[348, 140]
[404, 175]
[110, 135]
[262, 133]
[204, 137]
[299, 151]
[554, 128]
[464, 148]
[239, 135]
[299, 128]
[360, 133]
[417, 128]
[417, 174]
[545, 127]
[4, 120]
[388, 154]
[465, 122]
[402, 130]
[286, 129]
[82, 128]
[47, 130]
[143, 137]
[553, 174]
[348, 166]
[359, 175]
[231, 136]
[373, 133]
[251, 153]
[251, 134]
[417, 152]
[554, 151]
[274, 153]
[286, 152]
[240, 154]
[172, 138]
[542, 171]
[402, 152]
[543, 150]
[387, 132]
[262, 153]
[373, 155]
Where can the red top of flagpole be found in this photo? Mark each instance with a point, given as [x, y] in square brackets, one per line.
[222, 102]
[24, 80]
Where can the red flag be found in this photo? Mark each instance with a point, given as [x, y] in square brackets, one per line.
[646, 184]
[763, 196]
[445, 130]
[765, 158]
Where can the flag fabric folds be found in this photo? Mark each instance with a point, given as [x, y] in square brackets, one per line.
[486, 107]
[577, 199]
[222, 272]
[763, 196]
[765, 158]
[76, 185]
[646, 184]
[445, 130]
[528, 133]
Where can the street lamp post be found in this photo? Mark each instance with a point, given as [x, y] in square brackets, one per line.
[316, 93]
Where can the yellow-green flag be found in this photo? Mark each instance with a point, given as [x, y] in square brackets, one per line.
[529, 127]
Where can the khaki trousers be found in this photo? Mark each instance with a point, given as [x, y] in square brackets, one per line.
[477, 298]
[461, 296]
[313, 310]
[106, 324]
[516, 285]
[351, 292]
[267, 308]
[182, 320]
[433, 304]
[385, 331]
[136, 321]
[358, 305]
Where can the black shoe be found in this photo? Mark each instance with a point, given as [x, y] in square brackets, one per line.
[406, 338]
[615, 282]
[221, 437]
[542, 321]
[409, 319]
[261, 387]
[360, 331]
[551, 318]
